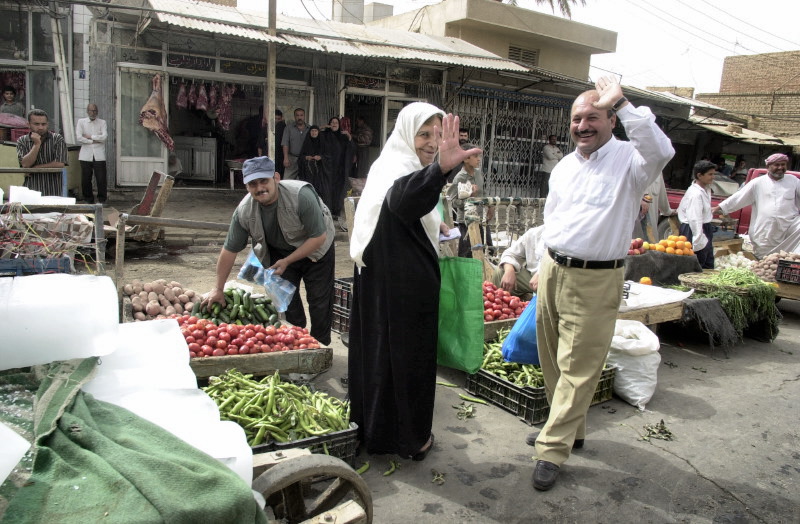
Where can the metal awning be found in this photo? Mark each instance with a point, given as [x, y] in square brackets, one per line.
[733, 130]
[330, 37]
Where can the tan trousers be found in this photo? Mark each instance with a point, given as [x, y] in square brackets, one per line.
[575, 317]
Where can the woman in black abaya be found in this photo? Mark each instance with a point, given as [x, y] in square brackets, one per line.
[394, 319]
[337, 149]
[309, 163]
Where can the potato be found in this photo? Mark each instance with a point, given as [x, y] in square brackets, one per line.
[189, 293]
[161, 281]
[153, 308]
[138, 307]
[175, 284]
[137, 288]
[139, 316]
[169, 294]
[147, 287]
[188, 307]
[177, 290]
[164, 302]
[178, 308]
[143, 295]
[169, 310]
[152, 296]
[158, 287]
[127, 289]
[183, 298]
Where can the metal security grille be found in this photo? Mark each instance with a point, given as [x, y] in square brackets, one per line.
[511, 128]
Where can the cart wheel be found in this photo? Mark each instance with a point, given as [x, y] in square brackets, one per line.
[307, 486]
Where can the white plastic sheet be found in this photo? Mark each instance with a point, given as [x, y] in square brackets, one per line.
[44, 318]
[642, 296]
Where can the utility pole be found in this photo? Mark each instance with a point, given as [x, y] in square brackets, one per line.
[269, 86]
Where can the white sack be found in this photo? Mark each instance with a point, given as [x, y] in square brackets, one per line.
[634, 352]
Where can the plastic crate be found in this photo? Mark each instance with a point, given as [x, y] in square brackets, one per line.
[788, 272]
[343, 292]
[18, 132]
[529, 404]
[33, 266]
[340, 319]
[340, 444]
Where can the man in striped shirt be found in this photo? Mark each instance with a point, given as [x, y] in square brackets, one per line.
[42, 148]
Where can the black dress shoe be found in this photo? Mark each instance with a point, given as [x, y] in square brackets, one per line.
[531, 441]
[545, 475]
[420, 455]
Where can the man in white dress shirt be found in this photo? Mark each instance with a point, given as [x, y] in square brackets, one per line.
[775, 222]
[91, 133]
[594, 199]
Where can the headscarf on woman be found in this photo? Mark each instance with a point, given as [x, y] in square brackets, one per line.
[308, 170]
[398, 158]
[336, 149]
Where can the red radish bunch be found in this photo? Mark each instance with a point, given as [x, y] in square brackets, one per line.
[206, 339]
[499, 304]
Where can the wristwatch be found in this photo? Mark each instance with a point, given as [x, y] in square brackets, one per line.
[619, 103]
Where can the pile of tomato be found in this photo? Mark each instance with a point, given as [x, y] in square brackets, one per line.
[499, 304]
[206, 339]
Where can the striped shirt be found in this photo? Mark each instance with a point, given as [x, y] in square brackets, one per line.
[53, 149]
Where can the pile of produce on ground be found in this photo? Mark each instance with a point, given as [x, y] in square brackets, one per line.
[767, 267]
[746, 299]
[206, 339]
[499, 304]
[273, 410]
[158, 299]
[734, 260]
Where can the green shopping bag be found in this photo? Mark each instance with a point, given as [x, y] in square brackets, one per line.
[461, 314]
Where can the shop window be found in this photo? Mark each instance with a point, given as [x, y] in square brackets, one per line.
[43, 37]
[15, 79]
[42, 95]
[13, 34]
[136, 141]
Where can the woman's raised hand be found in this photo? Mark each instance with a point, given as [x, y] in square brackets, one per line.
[450, 152]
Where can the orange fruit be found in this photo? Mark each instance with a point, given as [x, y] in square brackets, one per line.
[671, 244]
[687, 245]
[660, 247]
[679, 251]
[646, 281]
[689, 252]
[683, 238]
[679, 244]
[663, 242]
[672, 237]
[671, 250]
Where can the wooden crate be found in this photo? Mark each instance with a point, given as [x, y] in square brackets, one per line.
[305, 361]
[786, 290]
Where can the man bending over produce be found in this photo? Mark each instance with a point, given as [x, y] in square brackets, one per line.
[588, 219]
[292, 232]
[518, 270]
[775, 224]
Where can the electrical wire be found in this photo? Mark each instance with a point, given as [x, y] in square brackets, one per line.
[748, 24]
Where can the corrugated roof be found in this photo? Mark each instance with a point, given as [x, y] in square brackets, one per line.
[327, 36]
[736, 131]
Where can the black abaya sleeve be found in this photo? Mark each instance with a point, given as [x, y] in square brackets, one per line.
[414, 196]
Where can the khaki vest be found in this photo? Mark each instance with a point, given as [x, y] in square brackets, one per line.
[289, 222]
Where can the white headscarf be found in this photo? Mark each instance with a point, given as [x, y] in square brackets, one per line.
[398, 158]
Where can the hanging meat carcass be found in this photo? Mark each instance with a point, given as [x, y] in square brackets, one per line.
[153, 115]
[182, 101]
[202, 99]
[213, 99]
[226, 107]
[193, 96]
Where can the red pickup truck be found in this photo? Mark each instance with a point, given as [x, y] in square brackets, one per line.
[742, 216]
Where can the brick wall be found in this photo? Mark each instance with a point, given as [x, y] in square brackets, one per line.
[777, 114]
[761, 73]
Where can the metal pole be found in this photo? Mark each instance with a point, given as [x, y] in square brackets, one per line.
[269, 88]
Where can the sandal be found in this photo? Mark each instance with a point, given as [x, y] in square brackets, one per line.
[421, 454]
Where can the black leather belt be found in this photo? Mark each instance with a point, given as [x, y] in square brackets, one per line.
[567, 261]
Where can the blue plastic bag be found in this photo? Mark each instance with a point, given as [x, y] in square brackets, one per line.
[279, 290]
[520, 345]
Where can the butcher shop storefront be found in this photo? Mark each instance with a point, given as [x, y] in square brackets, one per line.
[201, 84]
